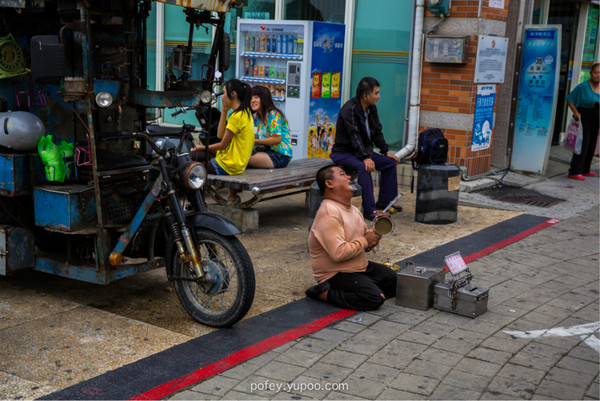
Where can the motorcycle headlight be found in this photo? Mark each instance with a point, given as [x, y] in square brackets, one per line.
[104, 99]
[206, 96]
[194, 176]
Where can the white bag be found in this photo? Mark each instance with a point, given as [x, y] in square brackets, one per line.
[574, 137]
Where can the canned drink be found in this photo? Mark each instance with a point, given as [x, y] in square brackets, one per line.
[247, 43]
[256, 71]
[295, 46]
[252, 47]
[335, 84]
[300, 45]
[326, 85]
[271, 72]
[316, 85]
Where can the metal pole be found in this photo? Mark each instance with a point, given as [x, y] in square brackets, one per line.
[89, 83]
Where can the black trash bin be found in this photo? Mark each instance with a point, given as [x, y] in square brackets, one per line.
[437, 194]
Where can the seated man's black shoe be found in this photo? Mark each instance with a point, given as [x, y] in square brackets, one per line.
[392, 210]
[369, 216]
[315, 290]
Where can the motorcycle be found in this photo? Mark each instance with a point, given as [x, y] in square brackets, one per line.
[211, 270]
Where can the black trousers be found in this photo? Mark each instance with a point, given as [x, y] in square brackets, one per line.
[580, 164]
[362, 291]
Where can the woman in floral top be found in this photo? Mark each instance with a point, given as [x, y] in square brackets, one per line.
[272, 132]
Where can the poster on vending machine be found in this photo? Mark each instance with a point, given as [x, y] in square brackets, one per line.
[326, 78]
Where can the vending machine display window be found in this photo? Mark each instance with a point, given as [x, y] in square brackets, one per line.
[287, 57]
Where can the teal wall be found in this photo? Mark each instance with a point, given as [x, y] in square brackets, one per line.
[381, 50]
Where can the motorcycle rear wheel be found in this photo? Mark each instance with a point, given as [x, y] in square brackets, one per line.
[228, 295]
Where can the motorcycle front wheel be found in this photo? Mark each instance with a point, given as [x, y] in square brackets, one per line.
[226, 293]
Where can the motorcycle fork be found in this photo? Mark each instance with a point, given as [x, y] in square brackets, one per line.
[192, 254]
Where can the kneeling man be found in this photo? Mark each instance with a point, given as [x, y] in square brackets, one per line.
[338, 242]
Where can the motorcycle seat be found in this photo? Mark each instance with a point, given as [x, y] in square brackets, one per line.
[162, 130]
[108, 160]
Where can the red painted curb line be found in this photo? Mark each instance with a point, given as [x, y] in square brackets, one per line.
[508, 241]
[241, 356]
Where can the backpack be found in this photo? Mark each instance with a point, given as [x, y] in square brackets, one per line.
[432, 148]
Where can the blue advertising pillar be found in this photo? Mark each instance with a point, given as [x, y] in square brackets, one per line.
[538, 89]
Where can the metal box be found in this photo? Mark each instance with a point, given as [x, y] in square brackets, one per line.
[16, 249]
[47, 59]
[414, 287]
[15, 174]
[64, 207]
[444, 49]
[470, 300]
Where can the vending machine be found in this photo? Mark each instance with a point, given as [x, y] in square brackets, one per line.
[301, 63]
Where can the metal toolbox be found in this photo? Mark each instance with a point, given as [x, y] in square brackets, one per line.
[470, 300]
[414, 286]
[64, 207]
[17, 250]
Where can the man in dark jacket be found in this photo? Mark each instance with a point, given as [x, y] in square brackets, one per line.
[358, 130]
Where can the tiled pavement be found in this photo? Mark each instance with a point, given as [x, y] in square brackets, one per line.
[544, 281]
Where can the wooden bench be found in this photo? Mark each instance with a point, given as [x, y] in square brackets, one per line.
[266, 184]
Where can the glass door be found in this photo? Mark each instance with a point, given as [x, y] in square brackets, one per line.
[382, 42]
[563, 13]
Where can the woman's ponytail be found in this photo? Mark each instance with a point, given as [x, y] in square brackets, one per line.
[243, 91]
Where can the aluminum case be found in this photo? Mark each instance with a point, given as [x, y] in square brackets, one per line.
[470, 300]
[414, 286]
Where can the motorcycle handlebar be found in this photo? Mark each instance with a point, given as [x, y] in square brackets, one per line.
[181, 110]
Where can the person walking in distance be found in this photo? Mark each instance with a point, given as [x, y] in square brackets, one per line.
[584, 102]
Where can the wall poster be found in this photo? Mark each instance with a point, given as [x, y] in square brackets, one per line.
[483, 120]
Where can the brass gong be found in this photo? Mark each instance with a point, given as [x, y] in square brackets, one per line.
[383, 225]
